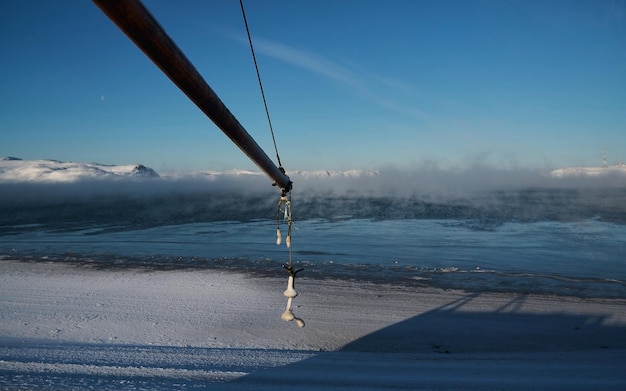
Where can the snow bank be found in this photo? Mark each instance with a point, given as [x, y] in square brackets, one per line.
[69, 327]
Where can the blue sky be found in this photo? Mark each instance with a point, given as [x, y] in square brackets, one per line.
[350, 84]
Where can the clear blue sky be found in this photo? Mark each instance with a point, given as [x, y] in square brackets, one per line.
[350, 84]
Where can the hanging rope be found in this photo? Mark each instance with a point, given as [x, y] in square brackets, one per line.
[284, 203]
[258, 75]
[283, 213]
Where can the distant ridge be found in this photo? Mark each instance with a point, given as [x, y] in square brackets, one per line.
[14, 169]
[327, 173]
[589, 171]
[297, 173]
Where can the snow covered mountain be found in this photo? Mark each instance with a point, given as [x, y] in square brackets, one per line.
[330, 173]
[49, 171]
[296, 174]
[17, 170]
[589, 171]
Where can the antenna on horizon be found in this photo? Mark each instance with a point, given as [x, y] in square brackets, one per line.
[604, 159]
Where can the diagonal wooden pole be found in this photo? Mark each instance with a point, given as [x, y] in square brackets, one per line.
[134, 19]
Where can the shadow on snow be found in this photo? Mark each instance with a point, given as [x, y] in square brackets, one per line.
[445, 348]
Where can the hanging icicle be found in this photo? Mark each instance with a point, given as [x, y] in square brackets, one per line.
[290, 293]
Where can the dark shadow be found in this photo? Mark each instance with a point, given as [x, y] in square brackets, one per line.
[454, 348]
[450, 329]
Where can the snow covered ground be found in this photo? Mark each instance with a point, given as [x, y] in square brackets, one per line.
[65, 327]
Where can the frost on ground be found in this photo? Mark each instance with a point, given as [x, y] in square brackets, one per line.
[70, 327]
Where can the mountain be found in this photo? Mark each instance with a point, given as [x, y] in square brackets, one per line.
[295, 174]
[331, 174]
[589, 171]
[14, 169]
[17, 170]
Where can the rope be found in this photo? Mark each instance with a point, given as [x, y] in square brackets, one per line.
[284, 204]
[258, 75]
[284, 212]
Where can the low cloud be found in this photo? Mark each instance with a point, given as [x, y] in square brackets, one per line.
[426, 179]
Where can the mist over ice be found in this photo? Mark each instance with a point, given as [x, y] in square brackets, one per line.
[486, 197]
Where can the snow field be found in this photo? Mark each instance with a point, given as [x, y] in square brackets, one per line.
[75, 327]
